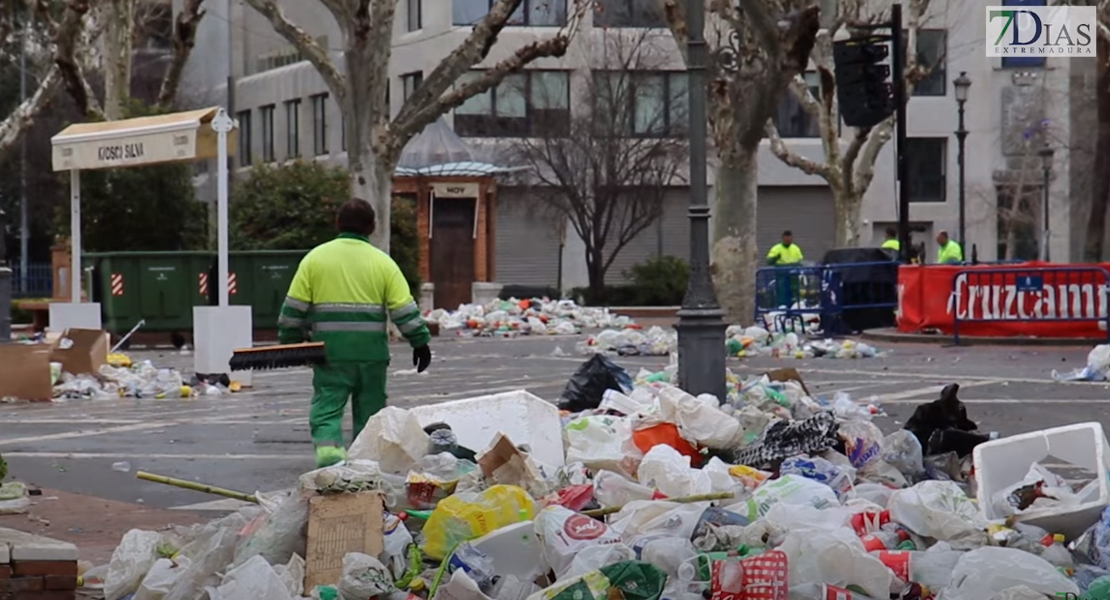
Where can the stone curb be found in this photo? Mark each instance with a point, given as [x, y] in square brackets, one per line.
[893, 336]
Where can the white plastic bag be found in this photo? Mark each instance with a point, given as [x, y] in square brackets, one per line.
[252, 579]
[698, 418]
[597, 442]
[394, 438]
[939, 510]
[658, 517]
[788, 489]
[397, 540]
[292, 575]
[565, 533]
[836, 557]
[593, 558]
[364, 577]
[669, 472]
[982, 573]
[135, 555]
[160, 578]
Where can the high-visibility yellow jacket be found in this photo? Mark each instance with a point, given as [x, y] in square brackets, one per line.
[894, 245]
[950, 253]
[342, 294]
[785, 255]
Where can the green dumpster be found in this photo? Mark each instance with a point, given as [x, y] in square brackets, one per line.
[262, 279]
[159, 287]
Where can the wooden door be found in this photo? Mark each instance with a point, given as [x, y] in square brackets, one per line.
[452, 251]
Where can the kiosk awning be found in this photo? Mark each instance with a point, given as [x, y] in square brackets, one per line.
[176, 137]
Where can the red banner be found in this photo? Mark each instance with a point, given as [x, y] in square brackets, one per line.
[1031, 299]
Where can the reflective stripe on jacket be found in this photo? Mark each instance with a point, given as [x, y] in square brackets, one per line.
[343, 294]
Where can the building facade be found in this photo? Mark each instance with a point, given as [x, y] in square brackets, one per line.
[285, 112]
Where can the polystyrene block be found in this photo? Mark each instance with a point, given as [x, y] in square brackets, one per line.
[218, 331]
[67, 315]
[525, 418]
[1002, 463]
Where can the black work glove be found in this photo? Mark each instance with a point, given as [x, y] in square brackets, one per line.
[422, 358]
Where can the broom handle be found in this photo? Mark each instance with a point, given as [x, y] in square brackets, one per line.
[601, 512]
[196, 487]
[128, 336]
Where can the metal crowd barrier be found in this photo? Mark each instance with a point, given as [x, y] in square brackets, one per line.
[1063, 295]
[846, 297]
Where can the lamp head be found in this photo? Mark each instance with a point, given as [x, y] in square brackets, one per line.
[1046, 153]
[962, 83]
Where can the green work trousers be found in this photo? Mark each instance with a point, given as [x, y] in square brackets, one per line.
[332, 385]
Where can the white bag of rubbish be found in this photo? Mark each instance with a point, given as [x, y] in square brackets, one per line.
[252, 579]
[597, 442]
[160, 578]
[565, 533]
[364, 577]
[836, 557]
[939, 510]
[699, 418]
[209, 553]
[135, 555]
[397, 540]
[787, 489]
[292, 575]
[657, 517]
[668, 471]
[1056, 490]
[983, 572]
[593, 558]
[394, 438]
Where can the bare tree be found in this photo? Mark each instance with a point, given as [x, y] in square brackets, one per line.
[848, 169]
[608, 172]
[358, 82]
[775, 38]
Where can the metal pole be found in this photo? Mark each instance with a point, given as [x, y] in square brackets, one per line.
[24, 219]
[222, 125]
[897, 69]
[75, 236]
[1047, 235]
[961, 135]
[701, 325]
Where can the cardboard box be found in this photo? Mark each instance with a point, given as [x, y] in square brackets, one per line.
[87, 354]
[25, 372]
[338, 524]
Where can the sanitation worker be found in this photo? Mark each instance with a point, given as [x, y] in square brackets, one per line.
[342, 294]
[786, 254]
[892, 242]
[948, 251]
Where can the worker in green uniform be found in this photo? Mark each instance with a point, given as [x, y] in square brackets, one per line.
[949, 252]
[341, 295]
[786, 254]
[892, 242]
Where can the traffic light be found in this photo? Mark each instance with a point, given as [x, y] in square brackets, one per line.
[864, 90]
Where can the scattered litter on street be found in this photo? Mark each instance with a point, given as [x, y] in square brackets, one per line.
[510, 318]
[741, 342]
[1097, 369]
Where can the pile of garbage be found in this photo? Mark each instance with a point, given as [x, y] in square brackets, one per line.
[654, 493]
[119, 378]
[740, 342]
[536, 316]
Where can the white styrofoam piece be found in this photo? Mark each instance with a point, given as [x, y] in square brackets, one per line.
[67, 315]
[25, 546]
[217, 332]
[526, 418]
[514, 550]
[1005, 462]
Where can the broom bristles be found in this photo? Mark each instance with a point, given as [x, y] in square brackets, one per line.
[278, 357]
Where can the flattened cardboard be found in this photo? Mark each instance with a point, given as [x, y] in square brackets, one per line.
[503, 463]
[88, 353]
[338, 524]
[788, 374]
[25, 372]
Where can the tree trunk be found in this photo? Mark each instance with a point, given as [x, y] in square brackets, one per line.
[734, 256]
[372, 180]
[118, 35]
[1096, 224]
[595, 274]
[847, 208]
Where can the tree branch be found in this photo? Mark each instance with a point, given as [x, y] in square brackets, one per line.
[20, 119]
[71, 43]
[316, 54]
[779, 149]
[184, 38]
[865, 167]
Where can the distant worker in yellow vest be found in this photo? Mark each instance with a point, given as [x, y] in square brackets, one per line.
[892, 242]
[949, 252]
[785, 253]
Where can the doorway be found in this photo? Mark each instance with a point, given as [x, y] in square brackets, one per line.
[453, 251]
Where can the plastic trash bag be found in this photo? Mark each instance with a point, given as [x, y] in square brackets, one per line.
[466, 516]
[209, 553]
[902, 450]
[394, 438]
[788, 489]
[292, 575]
[658, 517]
[863, 442]
[397, 540]
[565, 533]
[592, 558]
[13, 498]
[822, 471]
[669, 472]
[276, 536]
[252, 579]
[597, 442]
[587, 386]
[160, 578]
[363, 577]
[981, 573]
[836, 557]
[135, 555]
[699, 418]
[631, 580]
[939, 510]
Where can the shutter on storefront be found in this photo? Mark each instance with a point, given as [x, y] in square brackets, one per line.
[527, 241]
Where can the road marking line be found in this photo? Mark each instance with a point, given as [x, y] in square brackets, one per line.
[931, 375]
[933, 389]
[70, 421]
[122, 429]
[133, 456]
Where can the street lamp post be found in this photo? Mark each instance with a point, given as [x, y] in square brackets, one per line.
[962, 83]
[701, 325]
[1046, 154]
[5, 283]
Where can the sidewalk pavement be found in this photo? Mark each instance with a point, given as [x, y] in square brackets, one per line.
[94, 525]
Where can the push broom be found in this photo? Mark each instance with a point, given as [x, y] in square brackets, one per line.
[278, 357]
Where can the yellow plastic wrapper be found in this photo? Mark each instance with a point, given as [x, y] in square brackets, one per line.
[751, 478]
[119, 360]
[425, 492]
[464, 517]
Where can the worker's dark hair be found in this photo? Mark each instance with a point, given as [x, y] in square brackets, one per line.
[787, 232]
[356, 216]
[891, 232]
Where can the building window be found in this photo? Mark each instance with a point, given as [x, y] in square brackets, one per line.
[415, 15]
[409, 84]
[244, 118]
[792, 120]
[293, 129]
[642, 104]
[532, 103]
[932, 47]
[531, 13]
[320, 124]
[267, 116]
[927, 165]
[629, 13]
[1028, 61]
